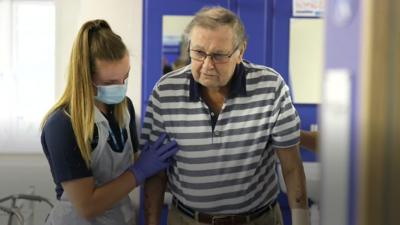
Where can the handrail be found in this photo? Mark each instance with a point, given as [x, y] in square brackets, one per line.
[30, 197]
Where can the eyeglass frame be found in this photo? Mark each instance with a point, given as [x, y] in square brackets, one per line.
[212, 55]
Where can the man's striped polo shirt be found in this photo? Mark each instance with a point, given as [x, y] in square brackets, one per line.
[228, 168]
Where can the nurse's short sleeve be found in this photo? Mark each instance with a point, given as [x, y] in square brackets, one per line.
[61, 149]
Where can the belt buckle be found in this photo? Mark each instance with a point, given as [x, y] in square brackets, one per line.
[214, 219]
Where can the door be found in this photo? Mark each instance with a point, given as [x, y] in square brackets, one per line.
[254, 13]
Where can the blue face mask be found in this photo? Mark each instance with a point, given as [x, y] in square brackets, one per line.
[112, 94]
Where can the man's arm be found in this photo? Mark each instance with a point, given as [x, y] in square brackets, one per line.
[154, 189]
[293, 173]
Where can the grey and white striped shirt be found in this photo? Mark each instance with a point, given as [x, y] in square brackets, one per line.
[229, 169]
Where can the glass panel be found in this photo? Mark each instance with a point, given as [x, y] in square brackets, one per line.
[174, 46]
[27, 81]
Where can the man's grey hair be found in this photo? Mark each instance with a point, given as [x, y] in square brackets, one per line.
[213, 17]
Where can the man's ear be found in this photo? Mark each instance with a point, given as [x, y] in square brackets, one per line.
[241, 53]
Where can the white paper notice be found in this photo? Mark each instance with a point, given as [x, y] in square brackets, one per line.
[308, 8]
[306, 59]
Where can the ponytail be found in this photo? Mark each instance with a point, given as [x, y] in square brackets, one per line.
[95, 40]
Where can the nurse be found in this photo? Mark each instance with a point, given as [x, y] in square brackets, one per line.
[89, 136]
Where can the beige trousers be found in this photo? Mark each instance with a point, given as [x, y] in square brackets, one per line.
[271, 217]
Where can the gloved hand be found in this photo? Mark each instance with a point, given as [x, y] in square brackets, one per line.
[153, 159]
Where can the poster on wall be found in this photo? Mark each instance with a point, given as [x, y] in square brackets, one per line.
[306, 45]
[308, 8]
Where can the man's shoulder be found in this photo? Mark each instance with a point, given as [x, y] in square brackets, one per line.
[180, 73]
[261, 72]
[175, 78]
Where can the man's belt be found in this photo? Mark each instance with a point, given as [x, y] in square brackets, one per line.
[238, 219]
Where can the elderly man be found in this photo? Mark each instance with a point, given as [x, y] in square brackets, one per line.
[230, 118]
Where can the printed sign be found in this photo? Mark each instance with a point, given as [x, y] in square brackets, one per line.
[308, 8]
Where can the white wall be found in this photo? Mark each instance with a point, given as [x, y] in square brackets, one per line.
[18, 172]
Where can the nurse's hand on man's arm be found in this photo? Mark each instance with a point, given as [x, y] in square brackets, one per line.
[153, 159]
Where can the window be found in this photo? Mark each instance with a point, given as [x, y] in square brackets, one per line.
[27, 61]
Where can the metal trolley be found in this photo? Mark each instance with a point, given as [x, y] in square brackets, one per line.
[16, 211]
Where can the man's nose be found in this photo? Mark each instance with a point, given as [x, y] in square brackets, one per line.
[208, 63]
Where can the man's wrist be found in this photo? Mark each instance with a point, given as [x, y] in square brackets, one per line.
[300, 216]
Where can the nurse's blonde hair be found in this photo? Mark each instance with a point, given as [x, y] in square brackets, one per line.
[95, 40]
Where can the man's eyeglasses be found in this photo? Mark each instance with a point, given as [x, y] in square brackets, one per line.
[217, 58]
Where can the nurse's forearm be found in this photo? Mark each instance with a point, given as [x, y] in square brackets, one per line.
[91, 202]
[154, 189]
[309, 140]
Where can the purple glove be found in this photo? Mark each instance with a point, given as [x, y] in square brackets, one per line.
[153, 159]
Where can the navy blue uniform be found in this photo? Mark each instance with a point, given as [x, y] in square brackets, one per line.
[61, 149]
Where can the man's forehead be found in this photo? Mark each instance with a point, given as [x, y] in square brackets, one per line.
[200, 35]
[227, 30]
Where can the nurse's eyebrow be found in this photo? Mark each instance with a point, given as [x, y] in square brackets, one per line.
[126, 76]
